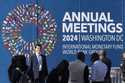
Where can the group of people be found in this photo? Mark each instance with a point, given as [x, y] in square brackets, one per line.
[34, 70]
[79, 72]
[66, 72]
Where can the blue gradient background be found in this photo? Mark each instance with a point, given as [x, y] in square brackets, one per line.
[58, 9]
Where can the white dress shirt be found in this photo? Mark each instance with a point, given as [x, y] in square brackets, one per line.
[39, 61]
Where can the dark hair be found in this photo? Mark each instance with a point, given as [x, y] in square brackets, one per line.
[63, 63]
[122, 55]
[38, 45]
[19, 61]
[94, 57]
[80, 56]
[62, 66]
[104, 53]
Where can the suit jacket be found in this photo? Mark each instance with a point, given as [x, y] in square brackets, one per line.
[35, 67]
[14, 74]
[53, 76]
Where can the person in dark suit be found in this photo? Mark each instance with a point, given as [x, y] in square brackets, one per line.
[60, 74]
[53, 76]
[107, 61]
[17, 71]
[63, 71]
[38, 68]
[12, 73]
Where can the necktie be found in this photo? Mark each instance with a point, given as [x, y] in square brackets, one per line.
[40, 62]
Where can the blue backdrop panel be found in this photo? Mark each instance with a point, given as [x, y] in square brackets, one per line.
[58, 8]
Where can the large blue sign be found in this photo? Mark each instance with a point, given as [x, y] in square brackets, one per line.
[79, 25]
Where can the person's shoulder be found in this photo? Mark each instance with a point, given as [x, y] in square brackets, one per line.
[98, 63]
[103, 65]
[75, 62]
[84, 65]
[42, 55]
[72, 62]
[107, 60]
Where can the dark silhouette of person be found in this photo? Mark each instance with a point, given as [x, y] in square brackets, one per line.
[38, 69]
[107, 61]
[122, 66]
[53, 76]
[78, 70]
[60, 74]
[18, 69]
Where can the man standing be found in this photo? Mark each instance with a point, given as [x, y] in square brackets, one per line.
[78, 70]
[98, 69]
[123, 66]
[39, 65]
[107, 61]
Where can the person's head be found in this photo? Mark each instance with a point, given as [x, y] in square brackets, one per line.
[38, 48]
[123, 55]
[94, 57]
[81, 56]
[63, 64]
[102, 54]
[62, 67]
[19, 61]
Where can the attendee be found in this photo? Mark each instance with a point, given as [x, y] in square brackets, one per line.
[63, 71]
[60, 74]
[78, 70]
[123, 66]
[38, 66]
[103, 57]
[53, 76]
[28, 60]
[98, 69]
[18, 70]
[29, 69]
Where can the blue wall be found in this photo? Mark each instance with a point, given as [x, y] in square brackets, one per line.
[58, 8]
